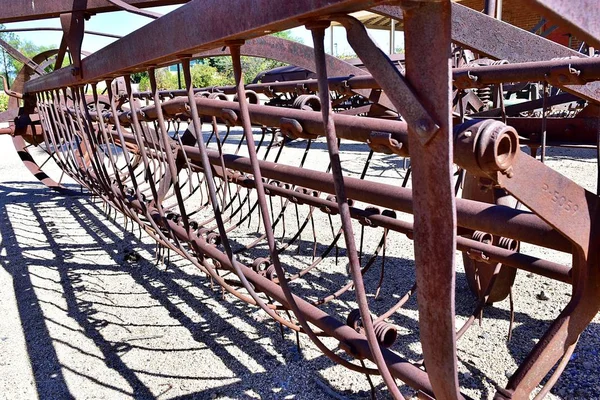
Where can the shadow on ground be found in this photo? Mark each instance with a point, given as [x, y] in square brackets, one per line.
[94, 318]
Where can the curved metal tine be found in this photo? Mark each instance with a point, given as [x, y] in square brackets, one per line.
[159, 160]
[231, 198]
[137, 130]
[459, 181]
[189, 172]
[80, 131]
[214, 201]
[237, 68]
[350, 284]
[382, 273]
[125, 170]
[215, 128]
[225, 174]
[117, 201]
[283, 207]
[318, 34]
[481, 304]
[298, 234]
[241, 202]
[75, 141]
[398, 305]
[84, 146]
[46, 127]
[127, 157]
[203, 205]
[68, 148]
[164, 137]
[88, 132]
[59, 133]
[407, 176]
[86, 129]
[317, 261]
[188, 181]
[113, 158]
[156, 233]
[143, 171]
[251, 208]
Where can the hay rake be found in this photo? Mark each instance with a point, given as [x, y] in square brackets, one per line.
[238, 203]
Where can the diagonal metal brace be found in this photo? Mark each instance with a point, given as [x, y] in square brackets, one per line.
[135, 10]
[403, 96]
[16, 54]
[569, 13]
[73, 28]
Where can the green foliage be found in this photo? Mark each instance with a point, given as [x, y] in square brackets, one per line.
[251, 66]
[164, 80]
[204, 75]
[9, 67]
[3, 102]
[288, 35]
[136, 77]
[212, 72]
[346, 56]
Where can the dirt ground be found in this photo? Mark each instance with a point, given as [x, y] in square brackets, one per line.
[87, 312]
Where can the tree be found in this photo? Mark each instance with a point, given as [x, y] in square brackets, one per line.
[3, 102]
[164, 80]
[251, 66]
[204, 75]
[289, 36]
[9, 66]
[6, 66]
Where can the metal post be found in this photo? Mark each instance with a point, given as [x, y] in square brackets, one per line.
[331, 40]
[392, 36]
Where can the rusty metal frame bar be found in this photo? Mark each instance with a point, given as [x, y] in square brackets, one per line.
[565, 216]
[148, 51]
[28, 10]
[584, 25]
[500, 40]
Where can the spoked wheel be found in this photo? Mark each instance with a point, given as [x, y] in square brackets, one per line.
[35, 152]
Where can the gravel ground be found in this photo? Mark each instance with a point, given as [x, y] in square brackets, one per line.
[89, 313]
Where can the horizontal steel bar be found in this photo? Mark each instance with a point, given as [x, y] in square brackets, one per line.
[189, 30]
[400, 368]
[498, 220]
[495, 254]
[28, 10]
[497, 39]
[109, 35]
[557, 72]
[554, 71]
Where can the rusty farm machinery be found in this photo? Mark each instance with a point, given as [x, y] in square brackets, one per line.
[234, 178]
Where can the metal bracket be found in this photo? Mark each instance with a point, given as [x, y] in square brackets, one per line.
[73, 28]
[21, 57]
[403, 97]
[384, 143]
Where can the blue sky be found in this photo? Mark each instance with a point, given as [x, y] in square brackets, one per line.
[122, 23]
